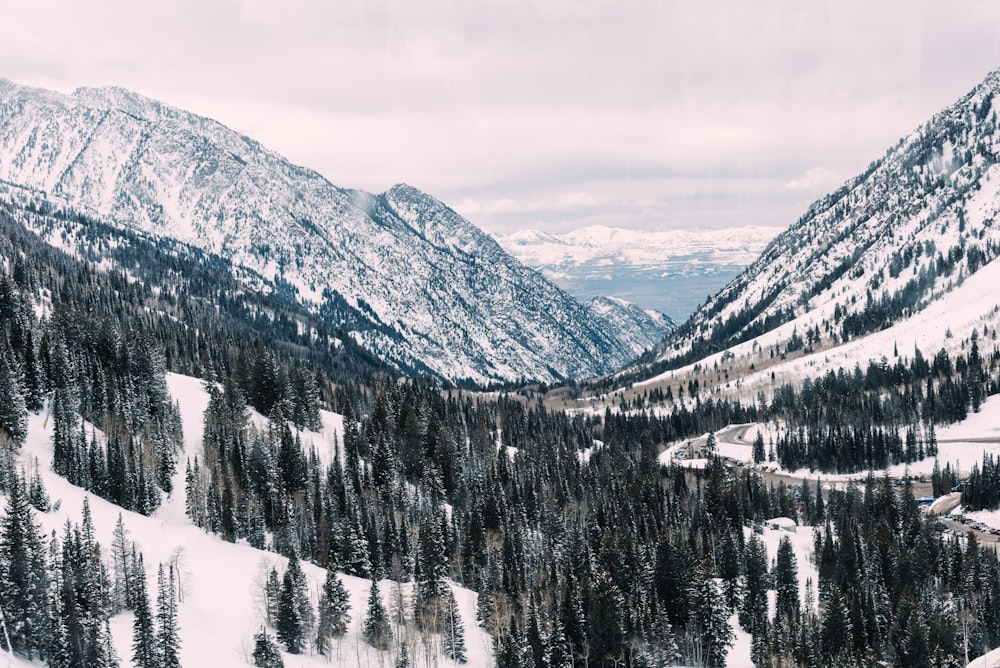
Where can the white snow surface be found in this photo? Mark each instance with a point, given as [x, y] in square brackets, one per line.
[988, 660]
[220, 610]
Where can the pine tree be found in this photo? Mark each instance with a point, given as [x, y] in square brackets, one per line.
[786, 580]
[144, 654]
[36, 491]
[711, 620]
[432, 569]
[334, 604]
[836, 629]
[377, 631]
[265, 652]
[23, 574]
[272, 595]
[453, 633]
[729, 570]
[120, 549]
[294, 610]
[759, 454]
[606, 625]
[59, 654]
[103, 652]
[168, 641]
[13, 410]
[753, 610]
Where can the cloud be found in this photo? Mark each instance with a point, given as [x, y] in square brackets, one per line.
[816, 178]
[511, 105]
[580, 201]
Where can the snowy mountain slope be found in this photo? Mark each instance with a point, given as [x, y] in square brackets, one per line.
[220, 610]
[411, 280]
[643, 328]
[902, 236]
[944, 324]
[669, 270]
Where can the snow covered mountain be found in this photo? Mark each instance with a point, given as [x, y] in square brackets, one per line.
[645, 327]
[410, 279]
[670, 270]
[902, 255]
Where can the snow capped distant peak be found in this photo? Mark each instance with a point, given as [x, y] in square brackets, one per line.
[528, 237]
[670, 270]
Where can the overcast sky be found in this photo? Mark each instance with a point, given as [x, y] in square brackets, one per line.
[552, 114]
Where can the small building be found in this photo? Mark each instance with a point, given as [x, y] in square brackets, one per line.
[781, 524]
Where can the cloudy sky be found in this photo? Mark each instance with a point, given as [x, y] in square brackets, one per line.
[552, 114]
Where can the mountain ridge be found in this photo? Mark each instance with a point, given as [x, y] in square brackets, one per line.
[894, 240]
[396, 269]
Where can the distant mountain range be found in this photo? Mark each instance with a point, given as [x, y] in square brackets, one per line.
[672, 271]
[408, 278]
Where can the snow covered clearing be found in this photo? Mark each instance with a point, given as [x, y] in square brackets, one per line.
[988, 660]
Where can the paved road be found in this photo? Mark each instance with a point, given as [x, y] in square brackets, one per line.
[736, 435]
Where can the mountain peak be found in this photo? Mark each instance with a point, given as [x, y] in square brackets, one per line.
[402, 190]
[116, 97]
[409, 278]
[905, 236]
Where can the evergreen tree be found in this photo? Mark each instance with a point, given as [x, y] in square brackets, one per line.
[712, 630]
[59, 653]
[272, 596]
[377, 631]
[36, 491]
[836, 635]
[168, 641]
[786, 580]
[144, 646]
[753, 610]
[265, 652]
[13, 410]
[759, 454]
[294, 610]
[606, 630]
[120, 549]
[23, 574]
[334, 604]
[453, 633]
[432, 569]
